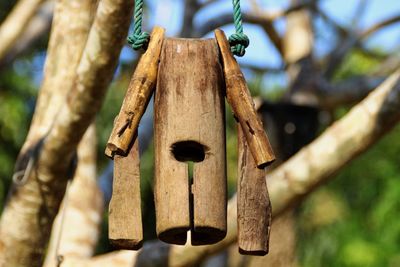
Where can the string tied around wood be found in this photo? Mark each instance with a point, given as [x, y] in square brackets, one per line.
[238, 41]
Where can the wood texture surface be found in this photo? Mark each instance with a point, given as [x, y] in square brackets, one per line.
[125, 217]
[137, 97]
[190, 126]
[239, 98]
[254, 211]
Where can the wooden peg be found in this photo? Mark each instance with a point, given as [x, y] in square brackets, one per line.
[253, 203]
[125, 216]
[239, 98]
[190, 126]
[137, 97]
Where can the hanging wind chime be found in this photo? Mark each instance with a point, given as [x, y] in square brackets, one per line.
[190, 78]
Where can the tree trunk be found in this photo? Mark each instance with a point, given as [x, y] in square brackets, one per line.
[27, 218]
[76, 228]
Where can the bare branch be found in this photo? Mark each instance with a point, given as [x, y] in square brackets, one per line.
[14, 25]
[40, 197]
[369, 31]
[190, 9]
[350, 40]
[76, 228]
[38, 26]
[261, 20]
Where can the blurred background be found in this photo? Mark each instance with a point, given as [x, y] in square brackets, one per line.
[338, 51]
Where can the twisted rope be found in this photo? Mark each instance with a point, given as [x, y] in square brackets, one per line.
[238, 41]
[138, 39]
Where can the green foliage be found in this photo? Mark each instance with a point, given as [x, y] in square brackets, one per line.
[357, 213]
[355, 64]
[16, 93]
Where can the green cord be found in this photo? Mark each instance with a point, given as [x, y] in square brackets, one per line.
[138, 39]
[238, 41]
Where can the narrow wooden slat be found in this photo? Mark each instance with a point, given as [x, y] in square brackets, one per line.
[125, 216]
[253, 203]
[137, 97]
[239, 98]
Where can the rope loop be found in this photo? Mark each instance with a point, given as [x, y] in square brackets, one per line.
[238, 41]
[138, 39]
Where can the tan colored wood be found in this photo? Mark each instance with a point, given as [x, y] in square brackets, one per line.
[137, 97]
[190, 126]
[125, 217]
[239, 98]
[254, 211]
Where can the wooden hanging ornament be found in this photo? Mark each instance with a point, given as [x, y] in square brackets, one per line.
[190, 78]
[189, 125]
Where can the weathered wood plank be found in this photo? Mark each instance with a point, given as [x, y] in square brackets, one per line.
[253, 204]
[190, 126]
[125, 217]
[239, 98]
[137, 97]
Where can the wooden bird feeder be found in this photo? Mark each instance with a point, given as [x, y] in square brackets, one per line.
[190, 78]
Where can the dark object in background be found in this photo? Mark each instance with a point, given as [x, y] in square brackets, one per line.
[289, 126]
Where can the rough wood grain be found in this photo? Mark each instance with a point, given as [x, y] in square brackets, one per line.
[240, 100]
[137, 97]
[125, 217]
[190, 126]
[254, 211]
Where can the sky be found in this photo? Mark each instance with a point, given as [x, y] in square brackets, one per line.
[169, 13]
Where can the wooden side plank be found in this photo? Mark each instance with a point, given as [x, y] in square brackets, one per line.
[137, 97]
[125, 216]
[239, 98]
[253, 203]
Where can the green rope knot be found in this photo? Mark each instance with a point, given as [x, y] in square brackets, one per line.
[138, 41]
[239, 42]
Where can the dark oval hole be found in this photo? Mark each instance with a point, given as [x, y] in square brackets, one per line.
[188, 151]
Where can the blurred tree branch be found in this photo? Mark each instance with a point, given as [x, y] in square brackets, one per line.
[38, 26]
[13, 27]
[59, 125]
[76, 228]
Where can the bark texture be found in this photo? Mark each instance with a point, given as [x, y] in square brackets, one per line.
[32, 207]
[76, 228]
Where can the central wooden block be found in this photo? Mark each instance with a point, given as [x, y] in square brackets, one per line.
[190, 126]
